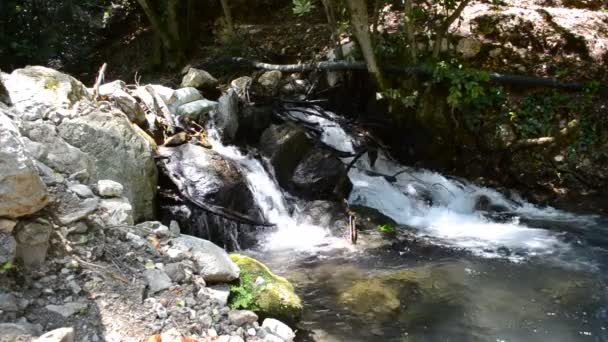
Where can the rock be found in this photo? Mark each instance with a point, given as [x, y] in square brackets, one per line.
[175, 271]
[209, 177]
[182, 96]
[198, 78]
[38, 92]
[4, 96]
[45, 145]
[8, 248]
[469, 47]
[242, 317]
[253, 120]
[269, 82]
[70, 211]
[7, 226]
[177, 139]
[285, 145]
[117, 92]
[57, 335]
[68, 309]
[33, 241]
[172, 335]
[279, 329]
[109, 188]
[272, 338]
[251, 332]
[8, 302]
[225, 119]
[194, 110]
[321, 175]
[135, 240]
[219, 293]
[81, 190]
[275, 298]
[22, 192]
[213, 263]
[111, 140]
[174, 228]
[116, 211]
[157, 280]
[10, 332]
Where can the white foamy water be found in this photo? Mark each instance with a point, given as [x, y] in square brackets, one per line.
[450, 219]
[293, 233]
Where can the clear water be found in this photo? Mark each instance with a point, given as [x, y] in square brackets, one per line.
[532, 274]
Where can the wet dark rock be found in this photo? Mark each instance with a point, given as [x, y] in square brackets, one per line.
[325, 214]
[226, 117]
[208, 177]
[285, 145]
[484, 203]
[321, 175]
[253, 120]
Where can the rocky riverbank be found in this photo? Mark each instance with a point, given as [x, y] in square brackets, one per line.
[76, 174]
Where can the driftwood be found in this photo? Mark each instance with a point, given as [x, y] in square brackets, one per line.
[419, 70]
[213, 209]
[99, 80]
[162, 107]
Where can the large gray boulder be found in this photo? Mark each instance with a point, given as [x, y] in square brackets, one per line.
[285, 145]
[213, 263]
[120, 154]
[22, 192]
[45, 145]
[39, 93]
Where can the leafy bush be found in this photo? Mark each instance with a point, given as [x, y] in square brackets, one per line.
[302, 7]
[387, 228]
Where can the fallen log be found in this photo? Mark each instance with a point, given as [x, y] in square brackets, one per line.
[418, 70]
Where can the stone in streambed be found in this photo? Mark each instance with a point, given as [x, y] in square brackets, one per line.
[109, 188]
[275, 297]
[212, 262]
[198, 78]
[157, 280]
[57, 335]
[279, 329]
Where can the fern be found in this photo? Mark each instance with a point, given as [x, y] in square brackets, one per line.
[302, 7]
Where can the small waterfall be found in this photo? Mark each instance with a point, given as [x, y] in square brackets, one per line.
[293, 232]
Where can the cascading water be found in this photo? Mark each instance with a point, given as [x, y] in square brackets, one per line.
[557, 294]
[293, 232]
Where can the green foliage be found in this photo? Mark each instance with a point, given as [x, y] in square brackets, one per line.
[466, 86]
[7, 266]
[398, 96]
[387, 228]
[243, 295]
[302, 7]
[536, 113]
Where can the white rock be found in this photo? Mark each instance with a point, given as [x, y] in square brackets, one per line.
[272, 338]
[116, 211]
[109, 188]
[174, 228]
[84, 208]
[22, 192]
[193, 109]
[171, 335]
[198, 78]
[135, 240]
[213, 263]
[251, 332]
[278, 328]
[58, 335]
[81, 190]
[157, 280]
[182, 96]
[166, 94]
[220, 293]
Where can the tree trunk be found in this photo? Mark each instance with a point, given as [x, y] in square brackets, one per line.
[228, 16]
[443, 29]
[166, 34]
[359, 22]
[330, 12]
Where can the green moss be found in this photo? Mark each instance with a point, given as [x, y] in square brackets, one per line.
[275, 297]
[51, 83]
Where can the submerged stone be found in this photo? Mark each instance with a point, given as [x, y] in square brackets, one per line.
[275, 297]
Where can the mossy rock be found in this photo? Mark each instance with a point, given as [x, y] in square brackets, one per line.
[380, 297]
[275, 297]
